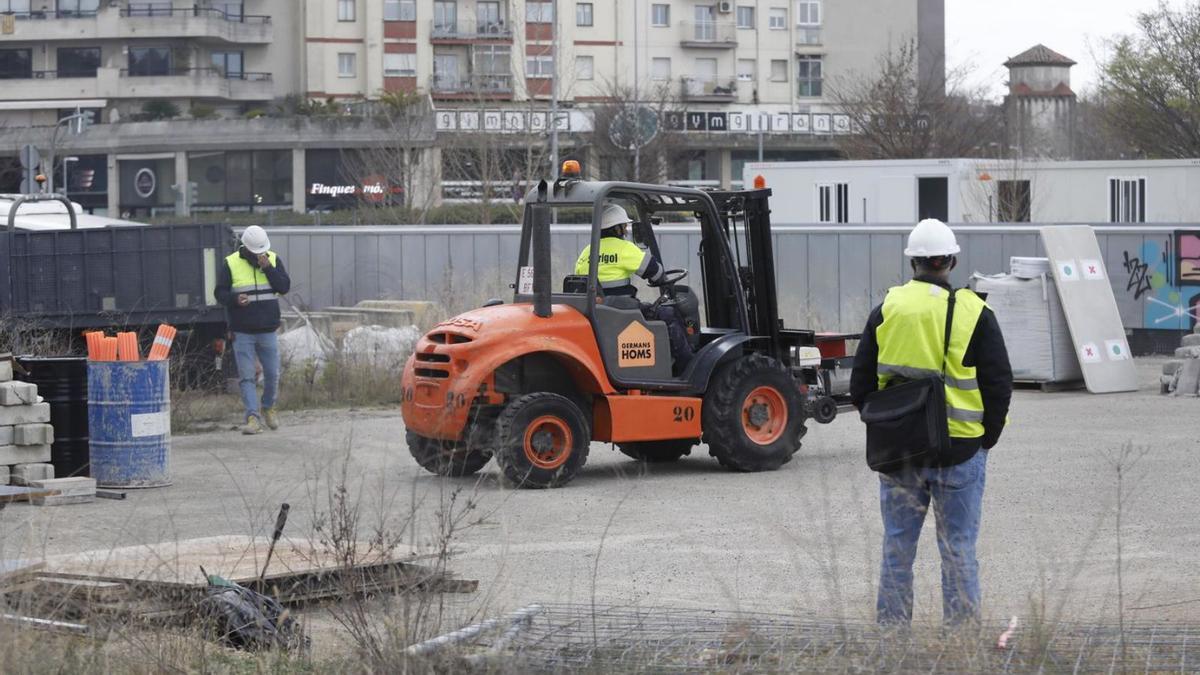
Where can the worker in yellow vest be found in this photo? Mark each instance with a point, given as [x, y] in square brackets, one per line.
[620, 261]
[904, 339]
[249, 285]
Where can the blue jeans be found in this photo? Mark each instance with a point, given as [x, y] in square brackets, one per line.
[247, 347]
[904, 498]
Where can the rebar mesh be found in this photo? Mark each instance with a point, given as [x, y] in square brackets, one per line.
[573, 638]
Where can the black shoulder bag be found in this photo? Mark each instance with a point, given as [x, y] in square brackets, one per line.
[906, 423]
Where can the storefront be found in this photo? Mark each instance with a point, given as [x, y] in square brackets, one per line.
[241, 181]
[340, 179]
[146, 186]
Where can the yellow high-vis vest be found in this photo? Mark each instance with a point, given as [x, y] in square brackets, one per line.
[249, 279]
[619, 261]
[911, 339]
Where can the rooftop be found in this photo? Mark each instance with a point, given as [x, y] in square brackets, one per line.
[1039, 55]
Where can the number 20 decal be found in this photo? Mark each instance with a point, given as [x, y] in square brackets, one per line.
[684, 413]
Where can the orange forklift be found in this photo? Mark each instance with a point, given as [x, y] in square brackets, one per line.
[533, 383]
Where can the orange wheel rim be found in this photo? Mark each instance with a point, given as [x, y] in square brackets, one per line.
[548, 442]
[764, 415]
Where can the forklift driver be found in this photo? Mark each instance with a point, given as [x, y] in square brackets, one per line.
[619, 261]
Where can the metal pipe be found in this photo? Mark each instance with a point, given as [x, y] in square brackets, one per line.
[523, 615]
[21, 199]
[45, 624]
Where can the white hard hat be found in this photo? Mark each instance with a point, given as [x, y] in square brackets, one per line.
[254, 238]
[613, 216]
[931, 238]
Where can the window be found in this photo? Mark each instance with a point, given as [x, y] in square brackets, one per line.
[345, 10]
[777, 19]
[229, 64]
[445, 17]
[660, 69]
[1014, 201]
[808, 12]
[1127, 200]
[779, 70]
[538, 11]
[149, 61]
[745, 70]
[808, 74]
[232, 11]
[660, 15]
[399, 65]
[399, 10]
[583, 14]
[833, 203]
[346, 64]
[78, 61]
[487, 17]
[75, 7]
[585, 67]
[745, 17]
[14, 6]
[539, 66]
[16, 64]
[152, 8]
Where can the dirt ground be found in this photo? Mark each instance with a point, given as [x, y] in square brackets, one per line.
[803, 539]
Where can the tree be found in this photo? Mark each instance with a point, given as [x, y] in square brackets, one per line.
[901, 113]
[403, 124]
[1151, 83]
[615, 134]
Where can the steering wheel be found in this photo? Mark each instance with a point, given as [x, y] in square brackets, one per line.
[670, 278]
[666, 287]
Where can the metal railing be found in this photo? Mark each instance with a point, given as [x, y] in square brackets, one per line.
[723, 88]
[470, 29]
[151, 10]
[472, 84]
[715, 33]
[55, 14]
[249, 76]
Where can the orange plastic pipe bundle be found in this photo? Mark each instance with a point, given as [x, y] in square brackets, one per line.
[162, 343]
[109, 351]
[127, 347]
[93, 344]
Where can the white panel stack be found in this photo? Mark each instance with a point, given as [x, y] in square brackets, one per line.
[1032, 320]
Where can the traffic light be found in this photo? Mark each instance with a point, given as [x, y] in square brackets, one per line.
[193, 193]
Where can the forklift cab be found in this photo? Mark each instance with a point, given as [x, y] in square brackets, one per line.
[636, 350]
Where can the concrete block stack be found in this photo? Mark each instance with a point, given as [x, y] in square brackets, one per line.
[25, 431]
[1181, 377]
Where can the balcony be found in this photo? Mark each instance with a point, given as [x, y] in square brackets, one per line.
[478, 86]
[197, 83]
[195, 22]
[48, 85]
[45, 26]
[716, 90]
[470, 32]
[708, 34]
[808, 36]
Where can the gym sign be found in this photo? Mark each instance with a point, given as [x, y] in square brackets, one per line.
[686, 121]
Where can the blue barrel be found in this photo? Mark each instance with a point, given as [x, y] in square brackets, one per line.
[129, 419]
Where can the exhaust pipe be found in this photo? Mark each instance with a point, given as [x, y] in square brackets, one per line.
[541, 262]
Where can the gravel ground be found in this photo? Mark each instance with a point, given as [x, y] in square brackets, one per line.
[804, 539]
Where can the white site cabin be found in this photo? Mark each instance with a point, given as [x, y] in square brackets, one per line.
[981, 191]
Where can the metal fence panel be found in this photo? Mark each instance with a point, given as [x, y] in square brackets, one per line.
[829, 277]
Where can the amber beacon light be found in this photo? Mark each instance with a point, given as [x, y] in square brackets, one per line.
[570, 169]
[760, 182]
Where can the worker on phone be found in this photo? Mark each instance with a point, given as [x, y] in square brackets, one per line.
[249, 285]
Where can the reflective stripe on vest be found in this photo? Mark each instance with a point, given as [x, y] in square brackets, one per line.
[619, 261]
[911, 338]
[248, 279]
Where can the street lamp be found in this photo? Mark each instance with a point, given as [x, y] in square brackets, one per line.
[66, 187]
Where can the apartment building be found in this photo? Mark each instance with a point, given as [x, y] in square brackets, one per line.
[196, 91]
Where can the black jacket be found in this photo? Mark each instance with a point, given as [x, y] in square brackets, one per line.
[256, 317]
[986, 352]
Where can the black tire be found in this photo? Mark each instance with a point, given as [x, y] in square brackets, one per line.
[657, 452]
[446, 458]
[542, 440]
[728, 429]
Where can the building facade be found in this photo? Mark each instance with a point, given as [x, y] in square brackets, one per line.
[257, 104]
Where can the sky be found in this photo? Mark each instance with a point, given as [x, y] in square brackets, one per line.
[984, 34]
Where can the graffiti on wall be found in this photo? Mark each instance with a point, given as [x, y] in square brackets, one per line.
[1165, 275]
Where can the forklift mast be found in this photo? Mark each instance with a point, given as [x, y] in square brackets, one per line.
[746, 219]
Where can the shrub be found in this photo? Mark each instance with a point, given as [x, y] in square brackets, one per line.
[159, 110]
